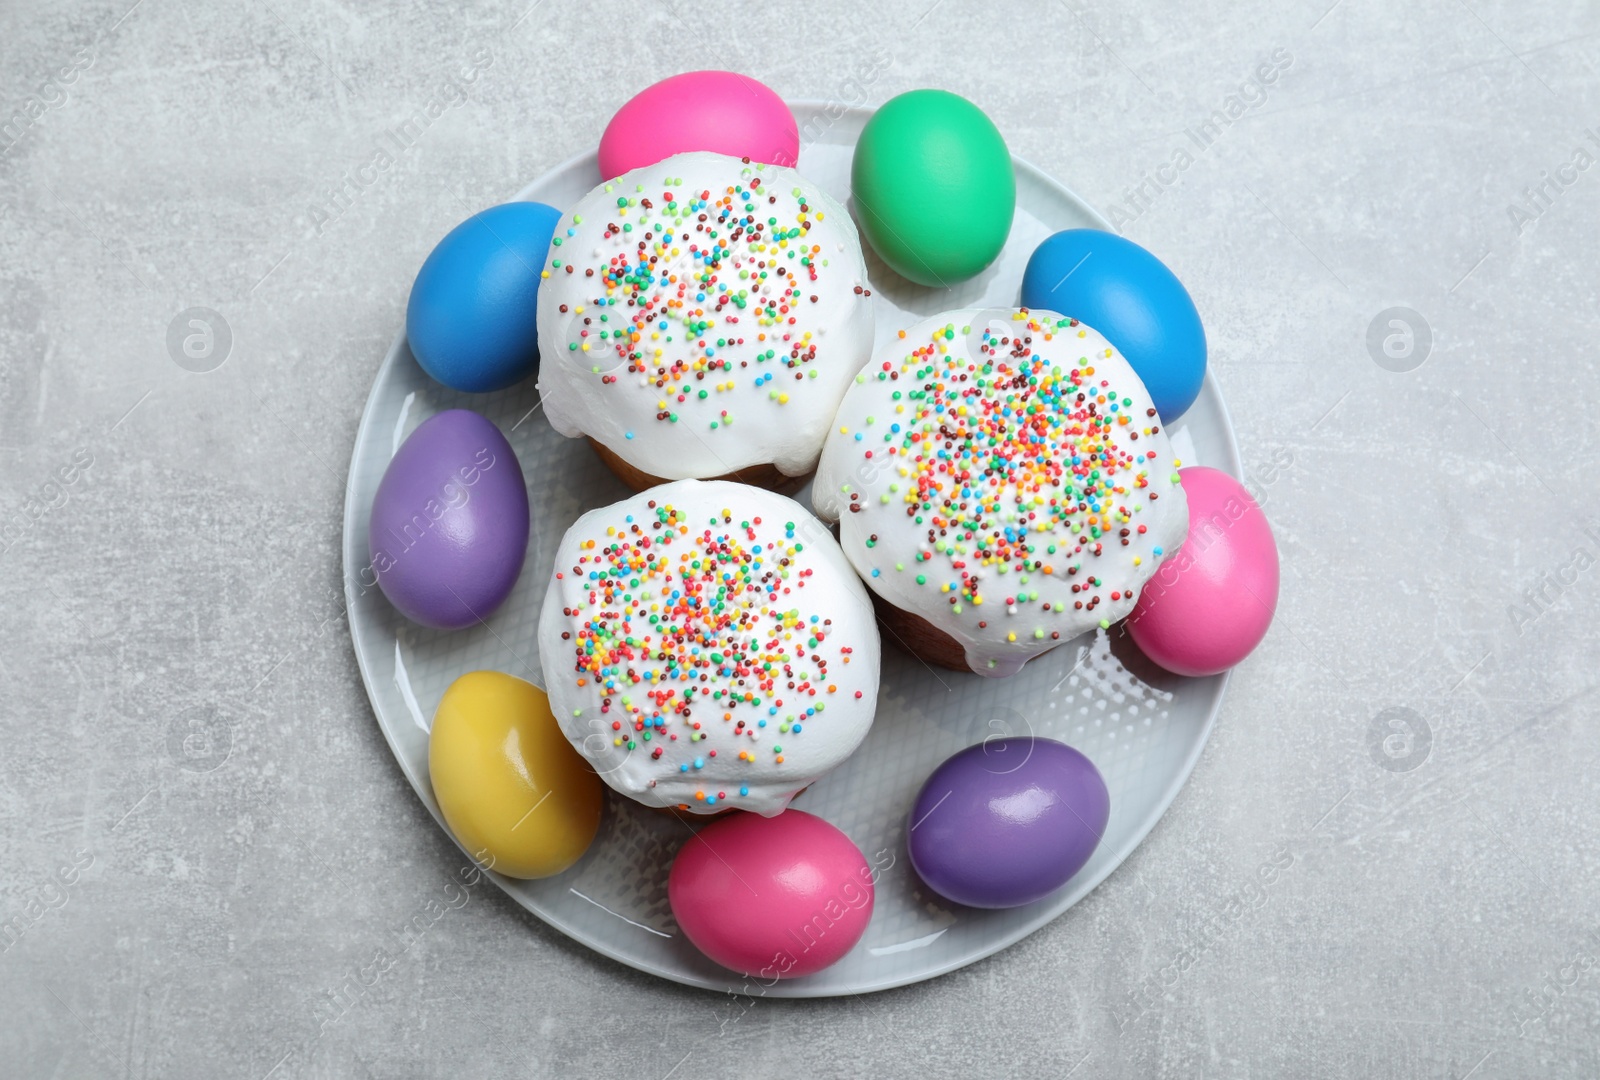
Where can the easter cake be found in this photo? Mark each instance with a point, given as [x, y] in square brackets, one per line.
[700, 318]
[708, 647]
[1002, 483]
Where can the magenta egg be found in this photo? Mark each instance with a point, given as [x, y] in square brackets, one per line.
[1212, 601]
[775, 898]
[449, 526]
[719, 111]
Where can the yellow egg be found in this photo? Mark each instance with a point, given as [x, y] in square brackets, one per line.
[512, 789]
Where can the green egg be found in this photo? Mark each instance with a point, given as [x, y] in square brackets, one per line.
[933, 186]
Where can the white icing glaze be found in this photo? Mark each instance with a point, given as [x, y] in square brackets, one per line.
[642, 680]
[1052, 561]
[736, 363]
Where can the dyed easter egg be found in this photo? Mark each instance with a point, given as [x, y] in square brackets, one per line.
[449, 524]
[1007, 822]
[470, 320]
[719, 111]
[1211, 602]
[933, 187]
[518, 797]
[776, 898]
[1130, 296]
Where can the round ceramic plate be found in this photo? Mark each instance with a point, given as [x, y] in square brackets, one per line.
[1142, 727]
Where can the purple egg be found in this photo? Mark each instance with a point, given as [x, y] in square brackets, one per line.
[450, 522]
[1008, 821]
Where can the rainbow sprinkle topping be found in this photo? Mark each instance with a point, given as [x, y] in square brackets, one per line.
[697, 637]
[1016, 460]
[694, 275]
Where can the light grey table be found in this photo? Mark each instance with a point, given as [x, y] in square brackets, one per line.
[203, 838]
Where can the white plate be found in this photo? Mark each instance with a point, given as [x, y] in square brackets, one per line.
[1142, 727]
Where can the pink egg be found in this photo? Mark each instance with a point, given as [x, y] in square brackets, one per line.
[719, 111]
[776, 897]
[1211, 602]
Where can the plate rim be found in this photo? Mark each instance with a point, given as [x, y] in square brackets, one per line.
[350, 555]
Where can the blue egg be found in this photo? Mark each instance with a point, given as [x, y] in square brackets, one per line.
[471, 317]
[1130, 296]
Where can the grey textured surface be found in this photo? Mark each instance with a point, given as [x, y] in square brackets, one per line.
[187, 742]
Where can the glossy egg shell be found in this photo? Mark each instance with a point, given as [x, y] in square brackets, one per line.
[470, 320]
[512, 789]
[719, 111]
[1007, 822]
[1212, 601]
[449, 527]
[933, 187]
[1130, 296]
[777, 897]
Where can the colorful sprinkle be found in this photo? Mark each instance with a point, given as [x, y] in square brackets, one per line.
[683, 625]
[681, 278]
[1018, 460]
